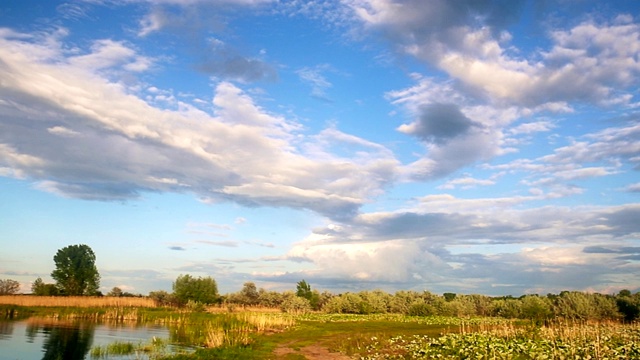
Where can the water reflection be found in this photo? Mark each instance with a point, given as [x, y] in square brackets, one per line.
[6, 329]
[66, 342]
[38, 338]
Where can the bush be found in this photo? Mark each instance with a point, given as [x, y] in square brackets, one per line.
[162, 298]
[203, 290]
[293, 304]
[421, 309]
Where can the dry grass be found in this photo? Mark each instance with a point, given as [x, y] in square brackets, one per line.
[237, 328]
[76, 301]
[268, 322]
[229, 308]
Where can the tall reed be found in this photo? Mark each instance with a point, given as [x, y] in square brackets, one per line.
[76, 301]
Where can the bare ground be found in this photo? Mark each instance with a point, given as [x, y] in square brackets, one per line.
[311, 352]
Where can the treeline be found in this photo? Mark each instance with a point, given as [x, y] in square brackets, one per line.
[573, 305]
[196, 293]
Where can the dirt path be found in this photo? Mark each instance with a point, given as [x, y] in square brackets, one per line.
[311, 352]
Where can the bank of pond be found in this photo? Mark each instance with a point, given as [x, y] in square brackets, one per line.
[167, 333]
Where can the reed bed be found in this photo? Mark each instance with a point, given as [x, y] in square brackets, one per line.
[76, 301]
[239, 329]
[227, 308]
[263, 322]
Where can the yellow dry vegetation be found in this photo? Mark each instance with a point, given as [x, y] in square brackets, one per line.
[76, 301]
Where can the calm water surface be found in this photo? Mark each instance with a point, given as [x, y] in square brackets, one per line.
[29, 339]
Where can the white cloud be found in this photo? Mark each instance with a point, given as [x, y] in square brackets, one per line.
[63, 131]
[466, 182]
[633, 187]
[318, 82]
[593, 62]
[240, 153]
[451, 244]
[532, 127]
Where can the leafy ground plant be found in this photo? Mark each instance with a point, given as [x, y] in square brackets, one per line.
[559, 341]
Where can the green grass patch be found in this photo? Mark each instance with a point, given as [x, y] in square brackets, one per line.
[117, 348]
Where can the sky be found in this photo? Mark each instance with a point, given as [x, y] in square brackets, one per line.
[468, 146]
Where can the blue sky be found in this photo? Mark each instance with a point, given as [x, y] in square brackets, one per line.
[487, 147]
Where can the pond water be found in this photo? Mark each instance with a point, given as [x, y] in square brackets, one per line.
[69, 340]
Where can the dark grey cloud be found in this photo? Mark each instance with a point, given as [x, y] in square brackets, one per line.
[192, 26]
[177, 248]
[236, 67]
[626, 252]
[439, 123]
[440, 21]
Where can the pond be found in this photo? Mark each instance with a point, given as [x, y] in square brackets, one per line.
[72, 340]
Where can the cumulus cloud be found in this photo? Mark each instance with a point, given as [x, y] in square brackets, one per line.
[466, 119]
[486, 242]
[97, 141]
[467, 40]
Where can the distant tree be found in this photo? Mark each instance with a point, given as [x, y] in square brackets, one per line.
[116, 291]
[629, 306]
[347, 303]
[202, 290]
[506, 308]
[76, 272]
[374, 302]
[294, 304]
[624, 293]
[536, 308]
[402, 301]
[449, 296]
[9, 287]
[303, 289]
[162, 298]
[270, 298]
[39, 288]
[421, 309]
[249, 293]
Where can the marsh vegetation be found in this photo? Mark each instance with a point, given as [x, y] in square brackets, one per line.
[258, 324]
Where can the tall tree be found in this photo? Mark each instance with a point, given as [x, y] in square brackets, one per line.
[76, 272]
[8, 287]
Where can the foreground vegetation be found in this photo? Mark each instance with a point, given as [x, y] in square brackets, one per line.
[280, 335]
[556, 341]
